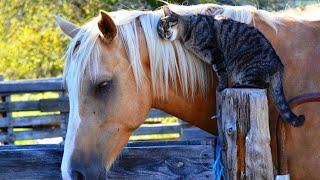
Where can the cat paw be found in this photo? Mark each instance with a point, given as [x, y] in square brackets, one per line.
[298, 121]
[221, 88]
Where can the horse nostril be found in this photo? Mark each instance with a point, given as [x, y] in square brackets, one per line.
[77, 175]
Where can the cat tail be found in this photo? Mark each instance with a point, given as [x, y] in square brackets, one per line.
[276, 90]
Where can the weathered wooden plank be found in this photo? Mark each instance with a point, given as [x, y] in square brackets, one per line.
[57, 132]
[31, 164]
[51, 105]
[130, 144]
[194, 133]
[37, 85]
[244, 132]
[32, 134]
[164, 162]
[157, 129]
[56, 105]
[155, 162]
[19, 106]
[33, 120]
[43, 105]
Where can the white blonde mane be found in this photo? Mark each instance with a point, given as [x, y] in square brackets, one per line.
[191, 73]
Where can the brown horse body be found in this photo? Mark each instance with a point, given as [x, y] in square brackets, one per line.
[104, 127]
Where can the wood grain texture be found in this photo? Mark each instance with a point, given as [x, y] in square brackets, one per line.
[33, 120]
[56, 105]
[194, 133]
[36, 85]
[33, 134]
[244, 133]
[58, 132]
[139, 162]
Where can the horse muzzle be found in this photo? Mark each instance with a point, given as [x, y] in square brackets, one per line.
[85, 168]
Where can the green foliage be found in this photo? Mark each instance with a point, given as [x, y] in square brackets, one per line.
[32, 45]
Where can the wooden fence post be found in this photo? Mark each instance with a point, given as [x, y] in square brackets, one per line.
[6, 98]
[244, 134]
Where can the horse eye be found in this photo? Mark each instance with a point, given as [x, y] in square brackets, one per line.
[103, 87]
[103, 84]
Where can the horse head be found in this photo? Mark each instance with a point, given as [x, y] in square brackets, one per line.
[105, 103]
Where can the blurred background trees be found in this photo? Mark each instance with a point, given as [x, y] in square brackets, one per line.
[32, 45]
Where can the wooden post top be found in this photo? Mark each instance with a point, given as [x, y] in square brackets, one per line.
[244, 134]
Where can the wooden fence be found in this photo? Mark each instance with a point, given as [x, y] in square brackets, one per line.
[243, 133]
[54, 124]
[139, 160]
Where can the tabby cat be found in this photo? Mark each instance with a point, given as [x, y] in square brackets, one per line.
[231, 47]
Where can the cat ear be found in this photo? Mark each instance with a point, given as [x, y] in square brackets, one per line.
[107, 27]
[166, 10]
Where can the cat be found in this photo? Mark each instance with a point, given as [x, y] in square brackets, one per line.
[231, 47]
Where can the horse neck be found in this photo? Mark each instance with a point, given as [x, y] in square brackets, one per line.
[197, 110]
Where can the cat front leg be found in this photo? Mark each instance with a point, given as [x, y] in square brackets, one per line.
[222, 74]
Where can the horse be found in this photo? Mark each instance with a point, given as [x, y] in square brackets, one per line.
[117, 69]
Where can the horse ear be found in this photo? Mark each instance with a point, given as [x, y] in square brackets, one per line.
[166, 10]
[107, 27]
[67, 27]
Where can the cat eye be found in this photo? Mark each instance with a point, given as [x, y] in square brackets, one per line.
[173, 23]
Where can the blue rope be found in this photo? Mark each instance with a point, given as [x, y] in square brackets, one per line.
[218, 167]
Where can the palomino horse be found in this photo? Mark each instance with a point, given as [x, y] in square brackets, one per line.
[117, 69]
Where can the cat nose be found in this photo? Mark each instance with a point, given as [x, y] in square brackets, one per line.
[168, 35]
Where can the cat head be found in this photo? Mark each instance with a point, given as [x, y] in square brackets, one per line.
[168, 25]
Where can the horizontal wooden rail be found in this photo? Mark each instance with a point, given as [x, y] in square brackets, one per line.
[33, 134]
[33, 120]
[43, 105]
[211, 141]
[162, 161]
[57, 132]
[157, 129]
[55, 105]
[36, 85]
